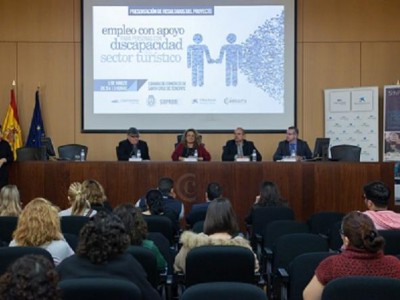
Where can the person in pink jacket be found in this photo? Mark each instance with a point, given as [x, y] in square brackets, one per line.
[188, 146]
[376, 196]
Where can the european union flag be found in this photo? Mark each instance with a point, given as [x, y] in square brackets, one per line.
[36, 131]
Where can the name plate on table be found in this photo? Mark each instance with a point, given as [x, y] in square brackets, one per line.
[246, 158]
[288, 159]
[190, 158]
[135, 159]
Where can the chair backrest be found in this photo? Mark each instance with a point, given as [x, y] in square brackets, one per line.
[198, 227]
[361, 288]
[289, 246]
[164, 246]
[31, 153]
[160, 224]
[9, 254]
[301, 270]
[335, 238]
[321, 222]
[278, 228]
[196, 216]
[7, 227]
[346, 153]
[224, 290]
[392, 241]
[148, 261]
[262, 216]
[72, 240]
[71, 151]
[73, 224]
[99, 289]
[219, 263]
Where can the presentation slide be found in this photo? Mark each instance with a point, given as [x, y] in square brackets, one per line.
[167, 67]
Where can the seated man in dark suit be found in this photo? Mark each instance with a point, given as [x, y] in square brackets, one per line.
[292, 146]
[132, 146]
[239, 147]
[198, 212]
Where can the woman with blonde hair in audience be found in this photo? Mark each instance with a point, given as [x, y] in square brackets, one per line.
[362, 256]
[220, 228]
[39, 226]
[93, 191]
[10, 202]
[80, 206]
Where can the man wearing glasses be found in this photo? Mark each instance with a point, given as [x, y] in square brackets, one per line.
[132, 146]
[292, 146]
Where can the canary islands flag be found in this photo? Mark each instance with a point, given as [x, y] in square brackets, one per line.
[11, 130]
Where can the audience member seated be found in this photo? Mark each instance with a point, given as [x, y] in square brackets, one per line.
[10, 202]
[80, 206]
[269, 196]
[93, 192]
[292, 146]
[30, 277]
[376, 196]
[239, 147]
[155, 206]
[189, 144]
[101, 253]
[136, 227]
[6, 158]
[166, 187]
[39, 226]
[198, 212]
[363, 256]
[129, 148]
[220, 228]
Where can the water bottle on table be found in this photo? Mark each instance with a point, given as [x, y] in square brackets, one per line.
[254, 155]
[82, 156]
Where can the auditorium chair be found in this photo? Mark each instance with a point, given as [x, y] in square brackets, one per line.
[286, 249]
[362, 288]
[71, 151]
[224, 290]
[99, 289]
[148, 261]
[73, 224]
[220, 263]
[299, 274]
[346, 153]
[7, 227]
[31, 153]
[321, 222]
[10, 254]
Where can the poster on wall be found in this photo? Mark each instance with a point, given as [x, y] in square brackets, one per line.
[351, 117]
[391, 133]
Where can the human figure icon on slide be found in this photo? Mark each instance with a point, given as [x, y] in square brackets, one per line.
[195, 59]
[233, 58]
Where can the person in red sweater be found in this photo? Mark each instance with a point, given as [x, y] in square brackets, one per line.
[363, 256]
[189, 144]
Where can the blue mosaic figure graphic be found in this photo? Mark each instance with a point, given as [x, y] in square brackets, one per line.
[263, 57]
[195, 59]
[233, 57]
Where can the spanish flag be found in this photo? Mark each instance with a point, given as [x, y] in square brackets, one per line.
[11, 130]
